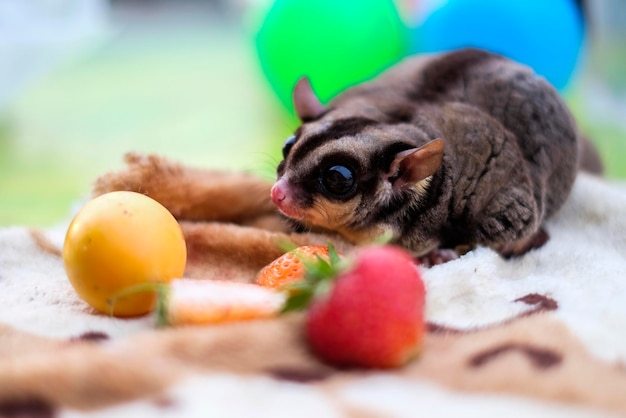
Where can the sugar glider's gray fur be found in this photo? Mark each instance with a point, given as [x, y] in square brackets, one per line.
[462, 148]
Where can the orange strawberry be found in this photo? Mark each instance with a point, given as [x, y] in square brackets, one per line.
[201, 302]
[289, 267]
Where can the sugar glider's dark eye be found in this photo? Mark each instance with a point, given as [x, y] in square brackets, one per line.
[288, 144]
[338, 180]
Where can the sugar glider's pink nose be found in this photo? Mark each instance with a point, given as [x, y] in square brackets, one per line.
[278, 193]
[282, 196]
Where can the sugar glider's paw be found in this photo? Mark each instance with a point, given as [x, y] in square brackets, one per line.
[522, 246]
[437, 256]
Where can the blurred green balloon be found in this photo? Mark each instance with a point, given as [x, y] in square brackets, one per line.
[336, 43]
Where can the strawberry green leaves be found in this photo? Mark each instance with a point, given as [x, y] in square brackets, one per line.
[317, 281]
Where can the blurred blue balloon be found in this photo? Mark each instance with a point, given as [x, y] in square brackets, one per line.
[546, 35]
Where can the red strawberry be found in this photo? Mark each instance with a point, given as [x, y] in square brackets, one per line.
[373, 315]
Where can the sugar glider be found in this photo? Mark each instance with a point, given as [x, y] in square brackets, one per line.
[440, 151]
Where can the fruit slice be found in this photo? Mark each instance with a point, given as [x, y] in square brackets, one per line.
[200, 302]
[289, 268]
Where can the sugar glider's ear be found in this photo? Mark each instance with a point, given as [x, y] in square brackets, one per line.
[306, 103]
[414, 165]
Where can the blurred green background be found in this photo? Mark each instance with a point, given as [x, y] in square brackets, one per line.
[180, 78]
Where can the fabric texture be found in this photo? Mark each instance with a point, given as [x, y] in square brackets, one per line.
[539, 335]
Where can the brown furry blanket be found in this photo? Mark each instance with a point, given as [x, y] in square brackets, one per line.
[541, 335]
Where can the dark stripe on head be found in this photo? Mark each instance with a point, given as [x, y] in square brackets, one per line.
[339, 129]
